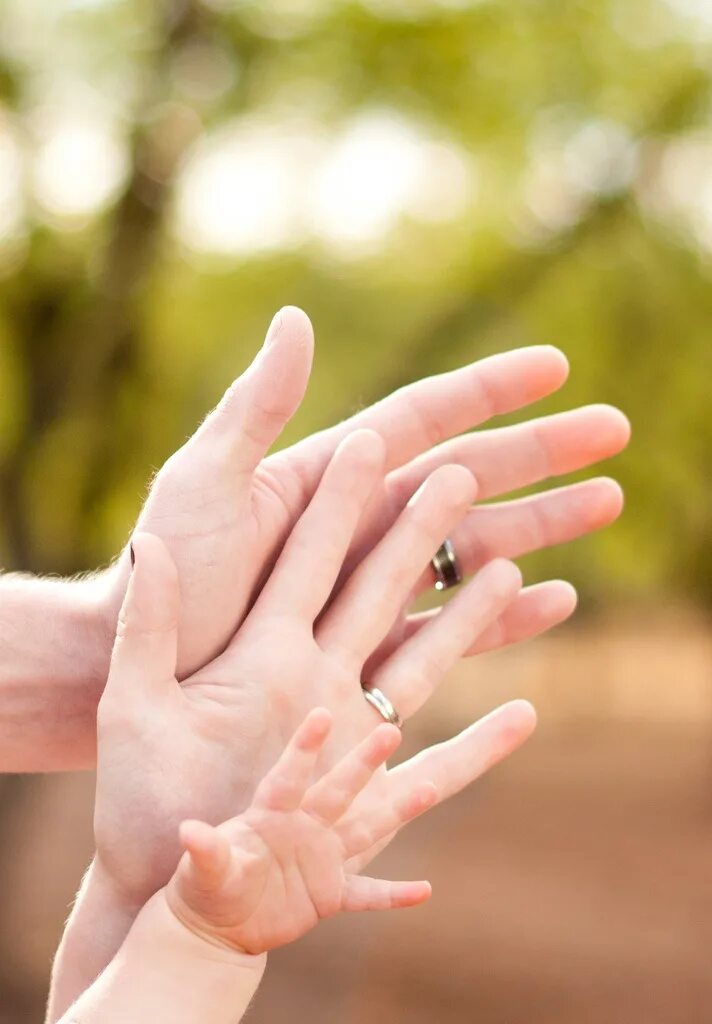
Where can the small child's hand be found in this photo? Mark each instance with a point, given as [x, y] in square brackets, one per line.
[267, 877]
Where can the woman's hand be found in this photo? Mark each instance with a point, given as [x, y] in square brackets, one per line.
[170, 751]
[267, 877]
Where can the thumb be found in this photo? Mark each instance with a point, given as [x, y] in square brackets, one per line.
[209, 854]
[145, 650]
[260, 403]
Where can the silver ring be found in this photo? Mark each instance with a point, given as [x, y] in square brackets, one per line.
[446, 567]
[378, 700]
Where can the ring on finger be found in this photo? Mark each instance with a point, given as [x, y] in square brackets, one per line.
[446, 567]
[378, 700]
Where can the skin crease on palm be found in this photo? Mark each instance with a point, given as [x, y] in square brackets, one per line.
[171, 751]
[225, 510]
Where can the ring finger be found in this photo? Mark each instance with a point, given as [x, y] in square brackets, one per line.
[369, 603]
[513, 528]
[411, 674]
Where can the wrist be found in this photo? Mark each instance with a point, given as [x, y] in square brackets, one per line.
[106, 895]
[56, 638]
[194, 922]
[96, 616]
[100, 920]
[162, 971]
[192, 942]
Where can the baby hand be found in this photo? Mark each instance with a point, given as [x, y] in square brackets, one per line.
[270, 875]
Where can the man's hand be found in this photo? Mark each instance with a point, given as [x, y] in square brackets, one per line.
[224, 510]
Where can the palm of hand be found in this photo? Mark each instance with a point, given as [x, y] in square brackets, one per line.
[163, 763]
[203, 511]
[267, 877]
[209, 742]
[249, 700]
[204, 744]
[264, 685]
[286, 874]
[225, 529]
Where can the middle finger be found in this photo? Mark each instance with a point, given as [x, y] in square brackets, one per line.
[370, 601]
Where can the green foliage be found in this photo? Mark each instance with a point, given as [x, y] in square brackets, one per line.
[114, 338]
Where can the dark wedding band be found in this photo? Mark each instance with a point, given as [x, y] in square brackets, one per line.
[378, 700]
[446, 567]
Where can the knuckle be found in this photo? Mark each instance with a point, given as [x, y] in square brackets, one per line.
[359, 836]
[282, 789]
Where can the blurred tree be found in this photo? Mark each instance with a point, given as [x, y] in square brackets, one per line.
[431, 180]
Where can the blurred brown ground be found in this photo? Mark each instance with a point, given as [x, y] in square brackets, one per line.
[572, 885]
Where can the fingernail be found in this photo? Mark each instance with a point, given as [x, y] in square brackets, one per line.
[274, 328]
[133, 555]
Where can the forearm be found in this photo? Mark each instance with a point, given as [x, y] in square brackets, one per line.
[98, 925]
[163, 972]
[55, 646]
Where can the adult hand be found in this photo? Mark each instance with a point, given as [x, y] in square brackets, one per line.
[169, 751]
[224, 510]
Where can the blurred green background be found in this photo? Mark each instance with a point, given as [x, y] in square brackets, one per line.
[433, 181]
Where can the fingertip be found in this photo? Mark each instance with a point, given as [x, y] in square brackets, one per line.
[291, 323]
[426, 891]
[520, 718]
[395, 735]
[415, 893]
[551, 369]
[366, 447]
[185, 833]
[615, 492]
[610, 500]
[196, 836]
[521, 376]
[386, 739]
[504, 730]
[323, 717]
[456, 481]
[257, 406]
[388, 730]
[506, 574]
[559, 359]
[565, 598]
[613, 428]
[315, 729]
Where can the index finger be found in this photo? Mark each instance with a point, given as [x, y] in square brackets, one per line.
[421, 415]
